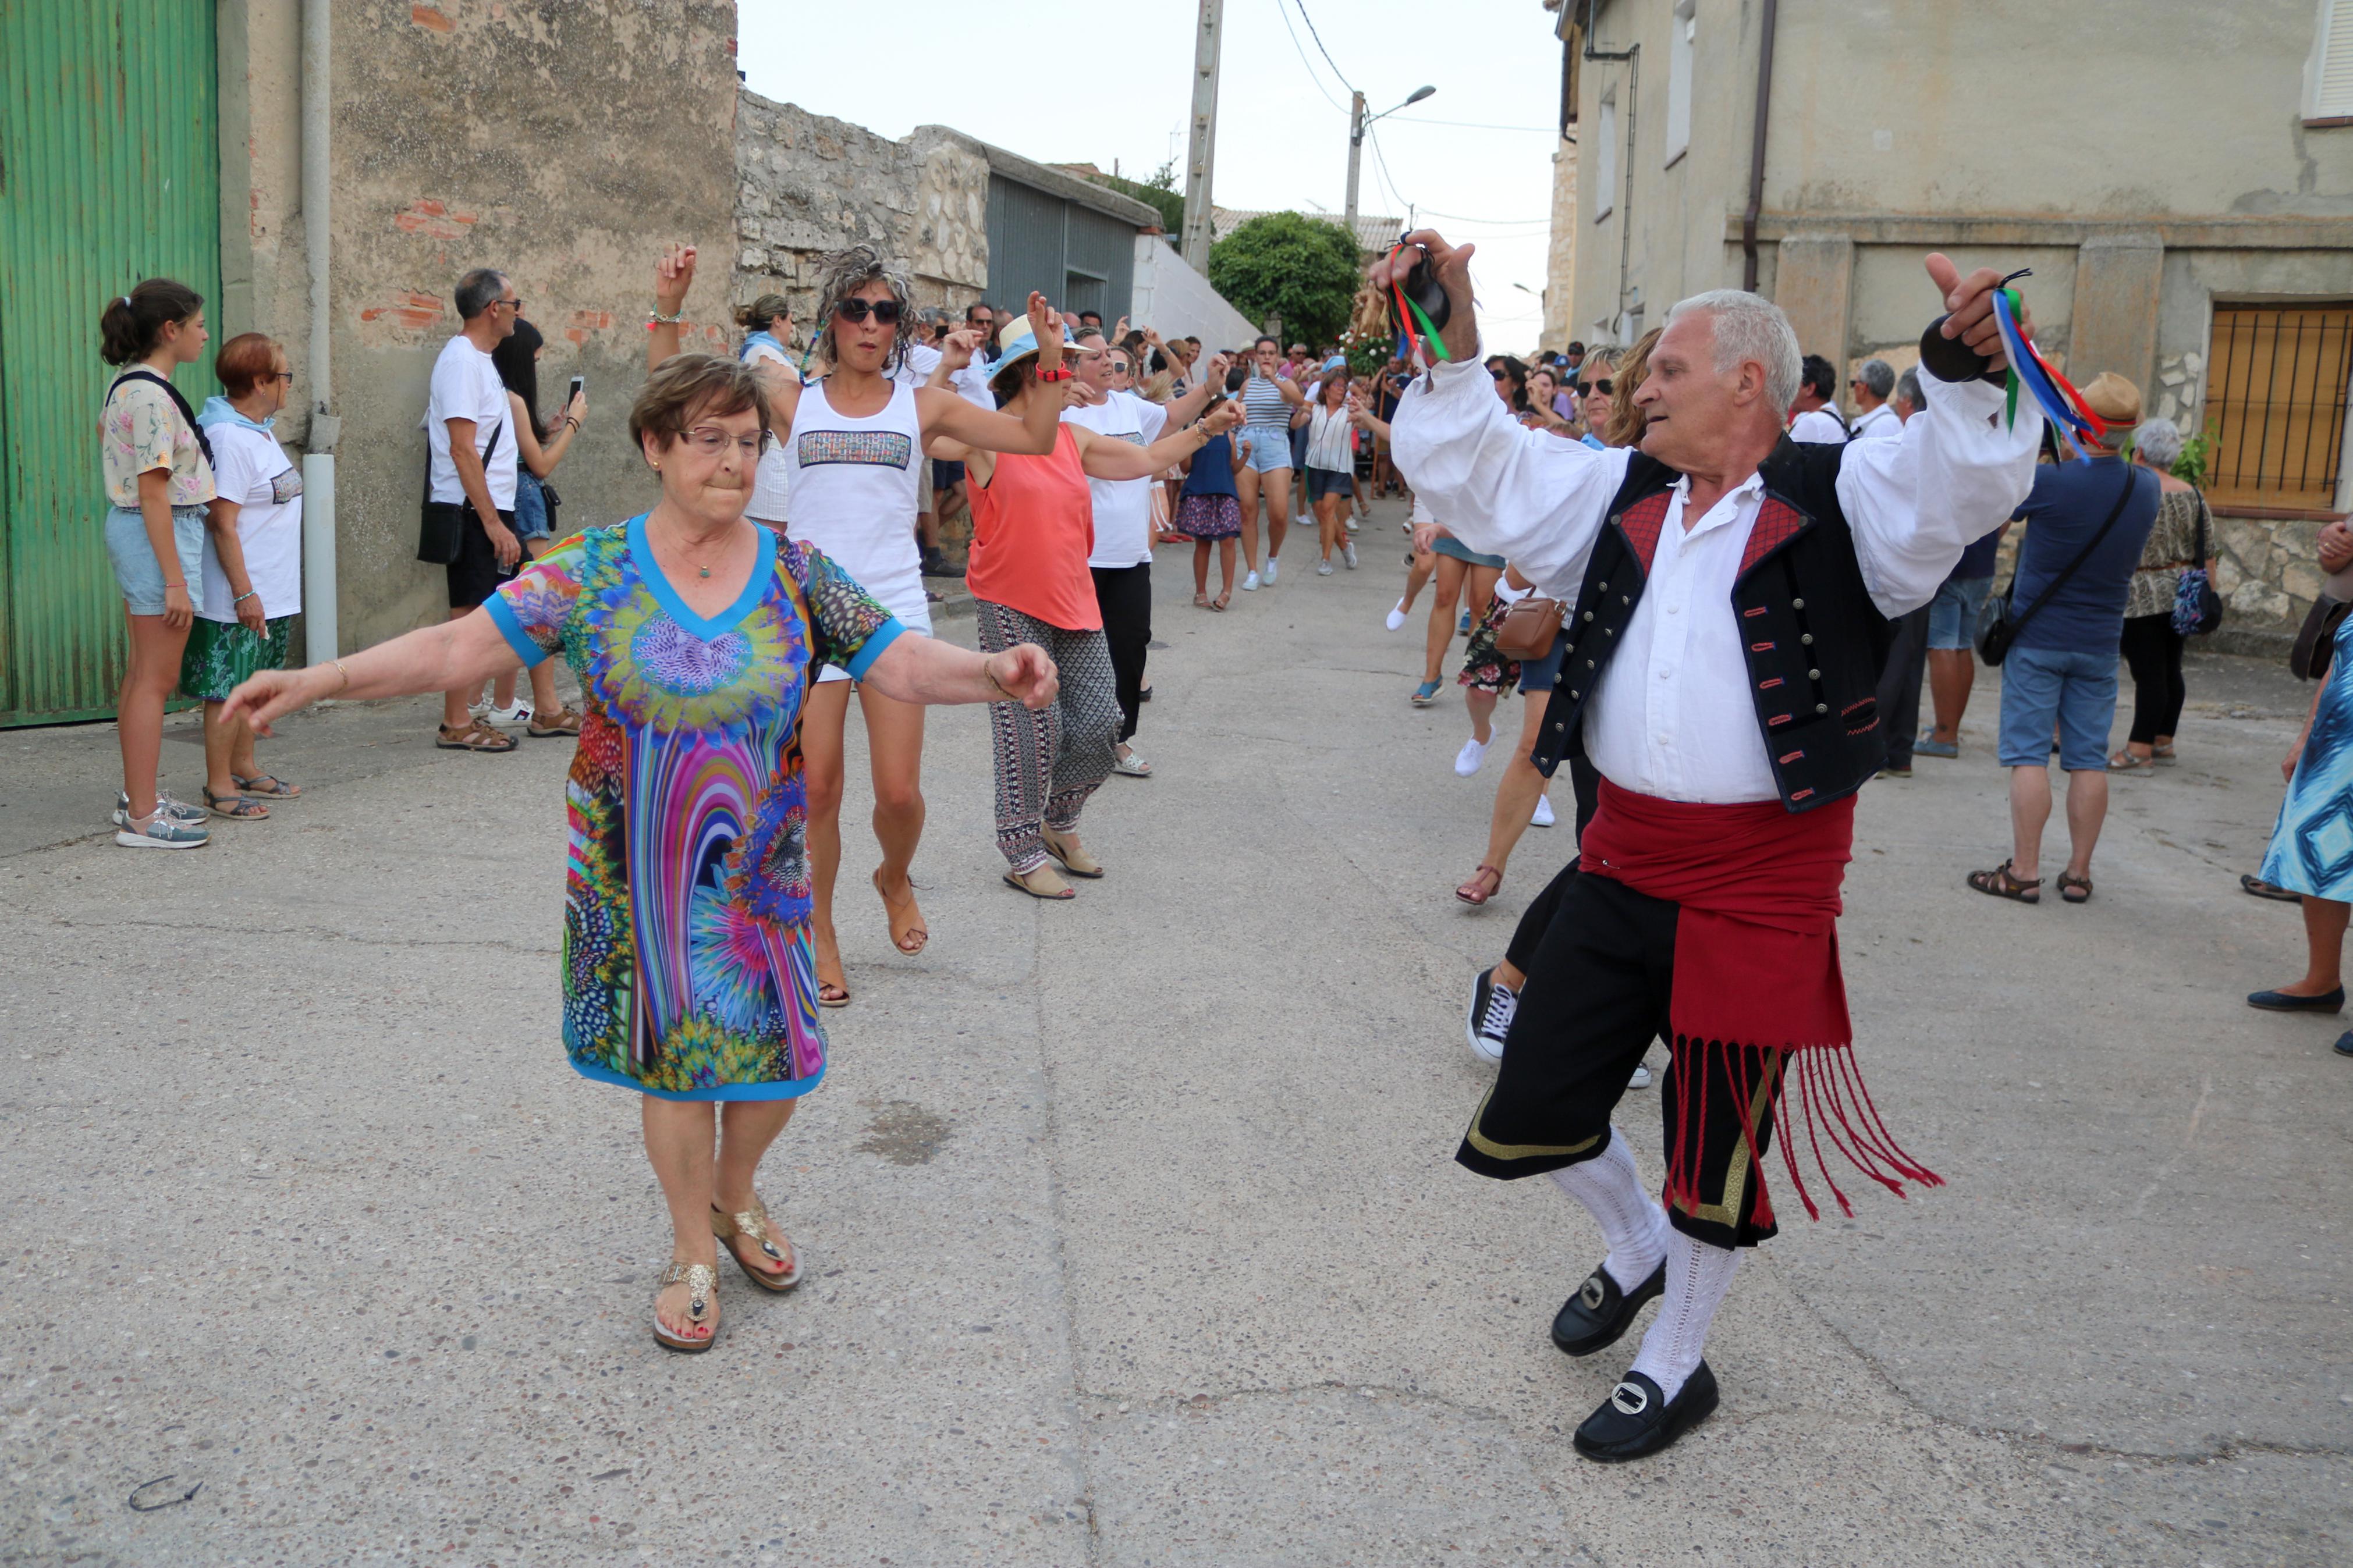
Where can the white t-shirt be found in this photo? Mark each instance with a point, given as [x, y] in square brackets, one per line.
[466, 386]
[1123, 508]
[772, 481]
[972, 382]
[1327, 439]
[255, 472]
[1818, 426]
[1878, 424]
[917, 367]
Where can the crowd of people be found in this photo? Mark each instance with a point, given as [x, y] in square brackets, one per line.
[808, 485]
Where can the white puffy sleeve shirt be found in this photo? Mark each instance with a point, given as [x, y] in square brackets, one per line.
[1672, 716]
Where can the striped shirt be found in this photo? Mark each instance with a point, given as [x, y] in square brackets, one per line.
[1264, 403]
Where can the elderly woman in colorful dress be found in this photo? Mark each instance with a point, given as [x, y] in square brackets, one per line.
[696, 635]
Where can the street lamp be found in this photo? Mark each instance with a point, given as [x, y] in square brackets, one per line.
[1357, 122]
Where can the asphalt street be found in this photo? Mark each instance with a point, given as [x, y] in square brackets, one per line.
[1133, 1230]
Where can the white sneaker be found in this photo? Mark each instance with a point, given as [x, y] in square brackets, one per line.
[1544, 817]
[1641, 1079]
[1352, 522]
[1323, 569]
[1249, 584]
[161, 831]
[1492, 1006]
[515, 713]
[178, 810]
[1349, 552]
[1467, 760]
[1396, 615]
[1270, 565]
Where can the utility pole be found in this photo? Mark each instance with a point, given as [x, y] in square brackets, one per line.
[1356, 154]
[1196, 242]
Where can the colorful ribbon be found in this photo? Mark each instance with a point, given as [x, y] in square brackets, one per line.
[2052, 393]
[1406, 314]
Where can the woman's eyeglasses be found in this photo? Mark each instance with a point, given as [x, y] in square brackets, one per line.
[1590, 387]
[710, 441]
[883, 310]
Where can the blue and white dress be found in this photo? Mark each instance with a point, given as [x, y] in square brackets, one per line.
[2312, 847]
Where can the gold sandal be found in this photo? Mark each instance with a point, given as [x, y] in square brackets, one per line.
[756, 1224]
[702, 1282]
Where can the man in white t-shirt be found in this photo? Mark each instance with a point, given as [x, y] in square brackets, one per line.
[919, 367]
[470, 456]
[1873, 383]
[1817, 417]
[1122, 556]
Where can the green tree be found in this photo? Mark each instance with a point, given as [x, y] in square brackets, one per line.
[1302, 268]
[1159, 192]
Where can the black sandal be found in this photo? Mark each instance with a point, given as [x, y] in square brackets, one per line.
[2003, 884]
[2074, 890]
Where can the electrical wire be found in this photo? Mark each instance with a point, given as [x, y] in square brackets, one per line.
[1473, 124]
[1284, 12]
[1319, 49]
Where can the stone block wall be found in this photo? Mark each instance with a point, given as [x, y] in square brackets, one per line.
[807, 184]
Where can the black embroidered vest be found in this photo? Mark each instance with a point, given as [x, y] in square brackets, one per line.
[1812, 640]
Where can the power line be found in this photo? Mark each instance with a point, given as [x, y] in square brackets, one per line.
[1475, 124]
[1283, 11]
[1493, 222]
[1319, 49]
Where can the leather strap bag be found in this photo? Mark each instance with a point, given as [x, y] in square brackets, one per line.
[1528, 627]
[1999, 625]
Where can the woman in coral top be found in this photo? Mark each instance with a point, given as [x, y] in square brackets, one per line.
[1033, 525]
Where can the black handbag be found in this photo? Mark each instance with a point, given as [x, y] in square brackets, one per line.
[441, 524]
[1999, 625]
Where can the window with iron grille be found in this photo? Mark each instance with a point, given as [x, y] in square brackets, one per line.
[2275, 389]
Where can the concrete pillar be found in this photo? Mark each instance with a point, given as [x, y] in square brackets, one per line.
[2118, 278]
[1813, 282]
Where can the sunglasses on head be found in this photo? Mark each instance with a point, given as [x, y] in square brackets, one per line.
[1590, 387]
[883, 310]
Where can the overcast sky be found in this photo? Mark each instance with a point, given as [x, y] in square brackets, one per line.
[1122, 86]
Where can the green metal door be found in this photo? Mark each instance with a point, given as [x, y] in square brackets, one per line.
[109, 172]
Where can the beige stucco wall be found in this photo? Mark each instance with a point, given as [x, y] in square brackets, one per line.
[1560, 255]
[561, 144]
[2144, 159]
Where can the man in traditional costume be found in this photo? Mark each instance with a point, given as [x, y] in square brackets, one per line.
[1729, 596]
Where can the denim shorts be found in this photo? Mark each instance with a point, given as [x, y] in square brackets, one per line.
[1953, 612]
[1538, 676]
[1322, 482]
[136, 571]
[1270, 447]
[2076, 691]
[531, 519]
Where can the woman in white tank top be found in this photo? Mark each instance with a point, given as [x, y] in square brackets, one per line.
[768, 324]
[852, 456]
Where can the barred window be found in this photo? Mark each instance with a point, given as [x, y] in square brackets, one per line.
[2276, 392]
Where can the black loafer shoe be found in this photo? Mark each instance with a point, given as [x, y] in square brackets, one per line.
[1599, 1315]
[2345, 1043]
[1634, 1421]
[2281, 1002]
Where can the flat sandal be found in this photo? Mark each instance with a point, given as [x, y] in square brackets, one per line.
[756, 1224]
[702, 1282]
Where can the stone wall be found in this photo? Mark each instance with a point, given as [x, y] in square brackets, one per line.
[807, 184]
[561, 144]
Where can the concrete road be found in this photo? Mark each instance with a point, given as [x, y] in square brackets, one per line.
[1133, 1229]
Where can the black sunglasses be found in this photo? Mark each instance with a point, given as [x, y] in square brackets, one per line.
[1498, 374]
[1590, 387]
[883, 310]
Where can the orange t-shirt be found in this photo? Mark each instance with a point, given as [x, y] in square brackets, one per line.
[1032, 525]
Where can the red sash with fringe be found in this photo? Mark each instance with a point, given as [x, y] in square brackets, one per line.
[1757, 965]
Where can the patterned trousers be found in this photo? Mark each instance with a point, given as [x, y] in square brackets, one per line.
[1049, 760]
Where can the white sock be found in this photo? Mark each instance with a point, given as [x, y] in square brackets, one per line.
[1697, 1277]
[1610, 1187]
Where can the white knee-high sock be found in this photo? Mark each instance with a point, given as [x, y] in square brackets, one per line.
[1697, 1277]
[1610, 1187]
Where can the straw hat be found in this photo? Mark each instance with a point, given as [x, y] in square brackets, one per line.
[2116, 400]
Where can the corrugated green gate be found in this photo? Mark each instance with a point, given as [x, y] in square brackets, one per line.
[109, 172]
